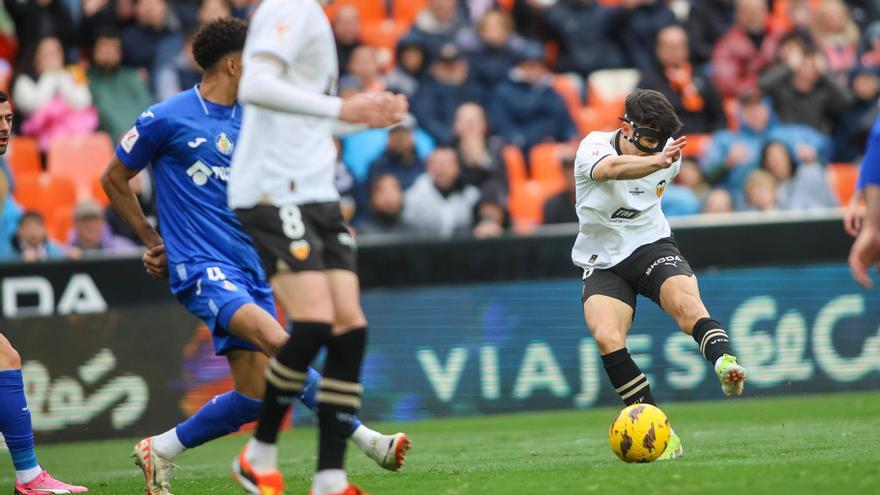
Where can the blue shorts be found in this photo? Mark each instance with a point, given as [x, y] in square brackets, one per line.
[213, 292]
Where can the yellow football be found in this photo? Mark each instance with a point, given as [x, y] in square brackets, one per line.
[640, 433]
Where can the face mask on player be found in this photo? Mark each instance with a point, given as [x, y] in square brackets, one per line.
[646, 139]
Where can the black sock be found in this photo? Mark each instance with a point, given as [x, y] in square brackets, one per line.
[713, 341]
[339, 396]
[627, 379]
[287, 374]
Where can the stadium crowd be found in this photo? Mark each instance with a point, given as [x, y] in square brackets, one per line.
[776, 97]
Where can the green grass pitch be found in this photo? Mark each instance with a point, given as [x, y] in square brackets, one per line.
[796, 445]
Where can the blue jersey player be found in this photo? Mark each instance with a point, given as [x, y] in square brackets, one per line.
[866, 250]
[212, 268]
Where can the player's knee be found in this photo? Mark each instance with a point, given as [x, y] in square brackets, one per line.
[688, 310]
[9, 357]
[608, 338]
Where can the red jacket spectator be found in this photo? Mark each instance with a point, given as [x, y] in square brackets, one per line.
[744, 51]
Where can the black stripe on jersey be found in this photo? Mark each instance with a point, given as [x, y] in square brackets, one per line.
[596, 163]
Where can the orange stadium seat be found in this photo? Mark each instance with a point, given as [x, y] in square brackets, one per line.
[696, 144]
[369, 10]
[546, 165]
[81, 159]
[59, 224]
[383, 36]
[514, 164]
[569, 92]
[98, 193]
[843, 177]
[407, 10]
[44, 193]
[24, 156]
[526, 205]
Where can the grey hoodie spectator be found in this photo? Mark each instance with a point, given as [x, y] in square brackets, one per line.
[801, 183]
[412, 63]
[92, 235]
[438, 205]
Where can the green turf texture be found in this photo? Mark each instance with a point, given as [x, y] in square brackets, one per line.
[796, 445]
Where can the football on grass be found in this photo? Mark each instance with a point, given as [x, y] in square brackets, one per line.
[640, 433]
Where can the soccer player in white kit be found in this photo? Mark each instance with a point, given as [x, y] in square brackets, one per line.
[282, 189]
[625, 247]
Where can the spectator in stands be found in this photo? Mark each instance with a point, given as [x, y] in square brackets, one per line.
[707, 22]
[31, 243]
[93, 237]
[490, 215]
[588, 35]
[56, 101]
[347, 31]
[679, 201]
[561, 208]
[645, 19]
[852, 127]
[412, 63]
[760, 192]
[525, 109]
[154, 39]
[363, 65]
[478, 153]
[399, 158]
[732, 155]
[690, 175]
[837, 37]
[35, 20]
[10, 215]
[439, 204]
[691, 93]
[386, 208]
[870, 56]
[801, 182]
[142, 187]
[179, 73]
[120, 93]
[447, 86]
[745, 50]
[803, 92]
[718, 201]
[441, 23]
[211, 10]
[492, 49]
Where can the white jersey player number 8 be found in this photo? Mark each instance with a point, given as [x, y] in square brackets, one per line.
[291, 221]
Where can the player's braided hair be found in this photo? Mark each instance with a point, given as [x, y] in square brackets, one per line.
[651, 109]
[218, 39]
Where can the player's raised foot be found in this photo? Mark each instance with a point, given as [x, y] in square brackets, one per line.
[674, 449]
[731, 374]
[389, 451]
[253, 482]
[157, 470]
[45, 484]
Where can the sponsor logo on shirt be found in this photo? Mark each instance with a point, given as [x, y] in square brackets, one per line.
[195, 143]
[224, 144]
[661, 186]
[129, 140]
[148, 115]
[637, 191]
[200, 173]
[625, 214]
[665, 261]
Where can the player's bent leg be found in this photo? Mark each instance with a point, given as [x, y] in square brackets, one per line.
[680, 297]
[254, 324]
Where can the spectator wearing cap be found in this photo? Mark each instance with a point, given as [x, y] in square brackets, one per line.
[851, 129]
[153, 40]
[31, 243]
[804, 92]
[347, 32]
[120, 94]
[732, 154]
[399, 158]
[440, 23]
[478, 153]
[446, 87]
[525, 109]
[707, 22]
[801, 183]
[412, 63]
[439, 204]
[492, 48]
[92, 235]
[691, 93]
[588, 34]
[386, 208]
[561, 208]
[745, 50]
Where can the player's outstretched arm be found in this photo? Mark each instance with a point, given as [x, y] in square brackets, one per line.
[627, 167]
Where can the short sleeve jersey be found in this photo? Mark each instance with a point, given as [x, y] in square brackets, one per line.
[285, 158]
[616, 216]
[188, 142]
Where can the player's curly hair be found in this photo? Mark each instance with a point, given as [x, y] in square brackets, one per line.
[218, 39]
[651, 109]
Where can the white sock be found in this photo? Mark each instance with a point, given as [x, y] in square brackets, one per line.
[364, 437]
[28, 475]
[329, 481]
[168, 445]
[262, 456]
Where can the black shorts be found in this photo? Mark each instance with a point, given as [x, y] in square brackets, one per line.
[642, 272]
[298, 238]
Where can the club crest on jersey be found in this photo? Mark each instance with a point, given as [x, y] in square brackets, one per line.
[661, 186]
[224, 144]
[300, 249]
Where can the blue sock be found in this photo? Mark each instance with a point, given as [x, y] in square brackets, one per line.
[15, 421]
[307, 396]
[224, 414]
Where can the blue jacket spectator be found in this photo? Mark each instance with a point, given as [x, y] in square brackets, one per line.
[852, 126]
[153, 40]
[640, 35]
[31, 243]
[492, 49]
[446, 88]
[525, 109]
[588, 35]
[411, 66]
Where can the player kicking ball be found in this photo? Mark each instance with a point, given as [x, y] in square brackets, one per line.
[15, 418]
[626, 248]
[213, 268]
[282, 189]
